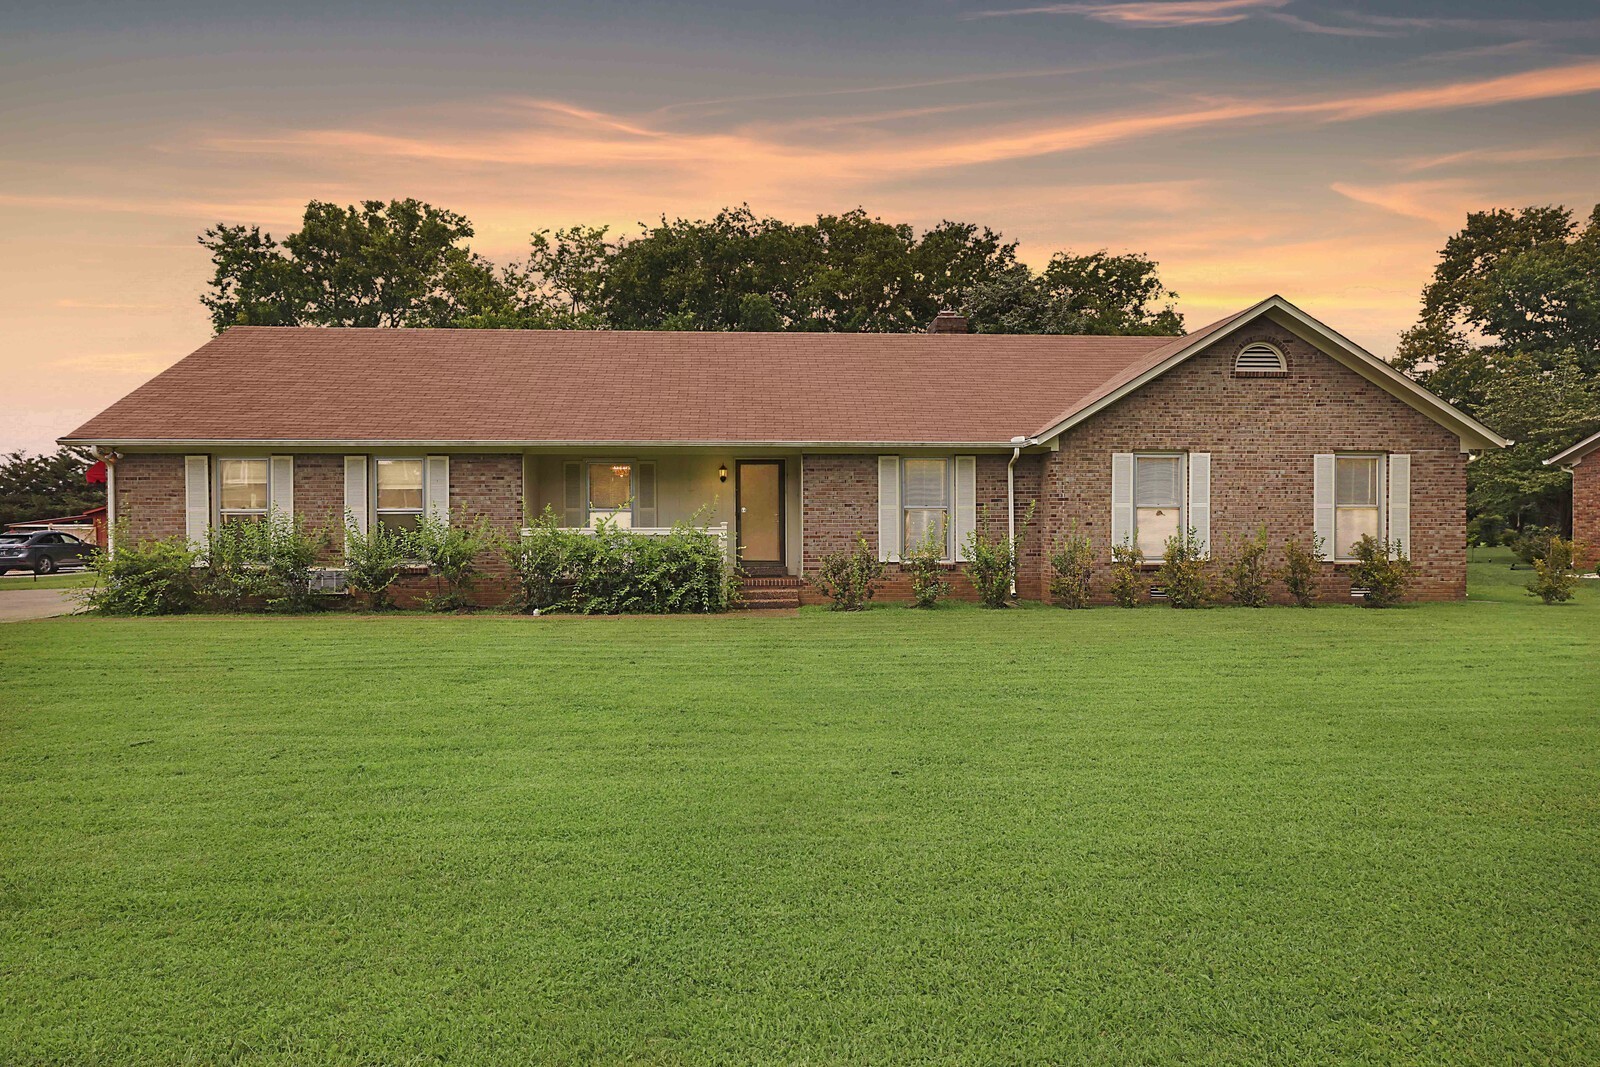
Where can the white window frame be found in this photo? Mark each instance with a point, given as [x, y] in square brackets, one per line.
[378, 513]
[589, 510]
[1381, 487]
[906, 547]
[1183, 497]
[224, 514]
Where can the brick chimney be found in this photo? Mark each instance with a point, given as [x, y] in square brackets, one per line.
[948, 322]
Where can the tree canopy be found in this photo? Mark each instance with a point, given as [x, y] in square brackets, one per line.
[46, 486]
[406, 263]
[1510, 332]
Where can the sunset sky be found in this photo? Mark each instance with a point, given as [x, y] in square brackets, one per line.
[1323, 150]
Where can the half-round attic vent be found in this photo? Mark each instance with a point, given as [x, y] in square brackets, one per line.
[1258, 357]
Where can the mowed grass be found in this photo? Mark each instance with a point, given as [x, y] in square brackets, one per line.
[962, 836]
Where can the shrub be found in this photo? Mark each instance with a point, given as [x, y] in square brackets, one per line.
[373, 560]
[1532, 542]
[925, 565]
[850, 579]
[991, 564]
[154, 577]
[1185, 574]
[265, 563]
[1073, 563]
[1128, 583]
[1300, 569]
[613, 571]
[1384, 579]
[451, 549]
[1245, 573]
[1486, 530]
[1554, 578]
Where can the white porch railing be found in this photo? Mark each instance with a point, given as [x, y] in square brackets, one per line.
[719, 531]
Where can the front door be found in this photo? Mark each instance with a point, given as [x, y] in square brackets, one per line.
[760, 501]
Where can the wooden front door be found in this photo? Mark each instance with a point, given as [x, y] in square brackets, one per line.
[760, 503]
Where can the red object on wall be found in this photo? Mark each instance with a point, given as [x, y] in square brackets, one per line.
[96, 474]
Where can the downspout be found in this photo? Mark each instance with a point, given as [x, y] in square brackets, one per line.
[1011, 499]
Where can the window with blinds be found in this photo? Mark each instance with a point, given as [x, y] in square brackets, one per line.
[925, 501]
[242, 489]
[1357, 508]
[1157, 502]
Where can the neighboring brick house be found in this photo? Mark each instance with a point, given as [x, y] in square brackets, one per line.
[1583, 460]
[792, 446]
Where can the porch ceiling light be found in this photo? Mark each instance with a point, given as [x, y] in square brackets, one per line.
[722, 473]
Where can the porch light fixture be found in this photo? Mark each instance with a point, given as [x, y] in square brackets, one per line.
[722, 473]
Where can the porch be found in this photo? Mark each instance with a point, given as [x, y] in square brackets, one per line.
[749, 501]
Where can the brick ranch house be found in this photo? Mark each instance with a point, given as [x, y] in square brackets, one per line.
[790, 445]
[1583, 460]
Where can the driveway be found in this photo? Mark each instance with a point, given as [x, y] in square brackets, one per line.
[16, 605]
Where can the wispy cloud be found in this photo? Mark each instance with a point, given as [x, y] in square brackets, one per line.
[1541, 153]
[1307, 26]
[1442, 203]
[1148, 14]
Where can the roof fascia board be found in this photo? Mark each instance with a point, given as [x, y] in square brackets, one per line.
[1573, 455]
[333, 445]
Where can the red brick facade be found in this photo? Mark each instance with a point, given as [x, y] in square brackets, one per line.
[1262, 432]
[1586, 509]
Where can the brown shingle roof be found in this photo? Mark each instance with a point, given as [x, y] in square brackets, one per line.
[311, 384]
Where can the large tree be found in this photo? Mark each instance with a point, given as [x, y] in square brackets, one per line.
[1510, 332]
[46, 486]
[406, 264]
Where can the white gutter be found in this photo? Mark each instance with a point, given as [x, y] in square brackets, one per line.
[1011, 499]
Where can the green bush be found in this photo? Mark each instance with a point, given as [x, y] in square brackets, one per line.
[1532, 542]
[1245, 573]
[154, 577]
[1300, 569]
[1554, 577]
[1128, 582]
[1384, 579]
[373, 560]
[991, 564]
[850, 579]
[452, 550]
[926, 567]
[263, 563]
[1185, 575]
[613, 571]
[1073, 563]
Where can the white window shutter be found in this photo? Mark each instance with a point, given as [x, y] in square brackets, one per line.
[644, 504]
[1400, 505]
[889, 521]
[197, 500]
[280, 486]
[965, 518]
[355, 492]
[574, 505]
[1121, 497]
[1200, 499]
[436, 489]
[1322, 500]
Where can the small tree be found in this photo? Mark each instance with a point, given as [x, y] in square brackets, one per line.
[1128, 583]
[1184, 573]
[451, 549]
[1554, 577]
[850, 579]
[991, 564]
[373, 560]
[1384, 578]
[1073, 563]
[1300, 569]
[926, 567]
[287, 549]
[1245, 573]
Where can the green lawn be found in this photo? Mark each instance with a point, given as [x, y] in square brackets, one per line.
[68, 580]
[1019, 837]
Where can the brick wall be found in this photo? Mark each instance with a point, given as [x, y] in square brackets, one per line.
[1262, 433]
[150, 496]
[1586, 508]
[841, 500]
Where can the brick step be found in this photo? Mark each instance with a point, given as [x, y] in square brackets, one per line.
[757, 598]
[786, 581]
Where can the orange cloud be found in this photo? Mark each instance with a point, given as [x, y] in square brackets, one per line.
[1159, 14]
